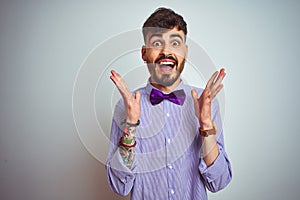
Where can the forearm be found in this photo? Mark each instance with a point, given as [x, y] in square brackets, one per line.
[120, 177]
[127, 144]
[215, 165]
[210, 150]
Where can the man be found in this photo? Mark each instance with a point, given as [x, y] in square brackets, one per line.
[166, 141]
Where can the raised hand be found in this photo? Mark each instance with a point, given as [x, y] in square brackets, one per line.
[203, 103]
[132, 104]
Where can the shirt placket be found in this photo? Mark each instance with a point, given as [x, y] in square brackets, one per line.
[168, 141]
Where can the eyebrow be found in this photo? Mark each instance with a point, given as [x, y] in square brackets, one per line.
[155, 35]
[160, 35]
[176, 35]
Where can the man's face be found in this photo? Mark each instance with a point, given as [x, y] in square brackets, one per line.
[165, 54]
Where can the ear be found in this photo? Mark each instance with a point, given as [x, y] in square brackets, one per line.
[143, 52]
[186, 50]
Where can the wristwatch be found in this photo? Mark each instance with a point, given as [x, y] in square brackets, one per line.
[206, 133]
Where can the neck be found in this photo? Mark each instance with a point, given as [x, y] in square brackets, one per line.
[166, 89]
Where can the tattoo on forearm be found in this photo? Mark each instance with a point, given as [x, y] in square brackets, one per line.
[127, 153]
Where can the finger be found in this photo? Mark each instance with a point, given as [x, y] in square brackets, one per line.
[220, 78]
[194, 94]
[196, 105]
[113, 79]
[220, 88]
[212, 79]
[222, 71]
[125, 92]
[138, 96]
[115, 74]
[121, 85]
[217, 90]
[207, 95]
[206, 92]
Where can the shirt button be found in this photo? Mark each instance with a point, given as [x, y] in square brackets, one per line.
[170, 166]
[168, 115]
[169, 141]
[172, 191]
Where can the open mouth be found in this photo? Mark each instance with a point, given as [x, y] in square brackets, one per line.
[166, 64]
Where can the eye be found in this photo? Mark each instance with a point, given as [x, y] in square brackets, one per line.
[175, 43]
[157, 44]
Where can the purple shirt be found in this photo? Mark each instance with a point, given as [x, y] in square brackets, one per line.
[168, 162]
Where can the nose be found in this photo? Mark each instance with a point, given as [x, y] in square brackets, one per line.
[166, 49]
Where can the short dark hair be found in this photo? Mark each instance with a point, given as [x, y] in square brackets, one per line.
[164, 18]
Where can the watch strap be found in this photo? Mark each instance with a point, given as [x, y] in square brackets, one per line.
[208, 132]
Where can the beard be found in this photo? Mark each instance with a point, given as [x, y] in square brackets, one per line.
[165, 80]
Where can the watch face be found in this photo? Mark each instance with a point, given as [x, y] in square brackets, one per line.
[203, 133]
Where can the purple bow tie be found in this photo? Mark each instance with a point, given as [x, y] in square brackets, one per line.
[176, 97]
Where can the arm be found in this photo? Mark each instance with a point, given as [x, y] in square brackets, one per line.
[120, 160]
[132, 107]
[217, 175]
[215, 166]
[120, 176]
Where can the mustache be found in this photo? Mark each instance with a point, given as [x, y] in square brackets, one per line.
[163, 56]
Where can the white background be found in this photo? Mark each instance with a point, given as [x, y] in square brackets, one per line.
[43, 44]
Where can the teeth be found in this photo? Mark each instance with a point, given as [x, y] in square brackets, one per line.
[166, 63]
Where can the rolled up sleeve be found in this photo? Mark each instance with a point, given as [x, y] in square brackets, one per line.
[218, 175]
[120, 177]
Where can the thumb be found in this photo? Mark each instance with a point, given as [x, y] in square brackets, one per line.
[196, 105]
[194, 94]
[138, 95]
